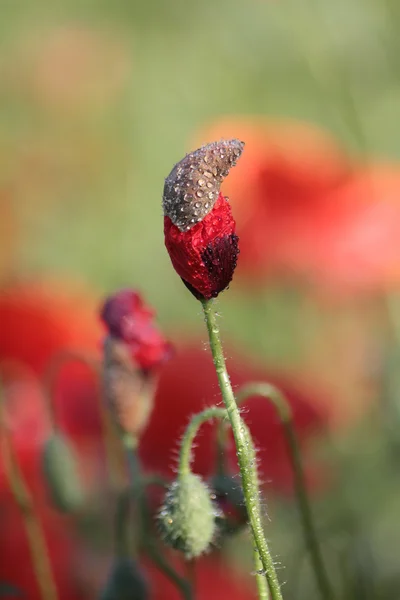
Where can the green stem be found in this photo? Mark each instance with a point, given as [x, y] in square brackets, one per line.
[121, 520]
[149, 545]
[262, 585]
[282, 406]
[185, 453]
[245, 452]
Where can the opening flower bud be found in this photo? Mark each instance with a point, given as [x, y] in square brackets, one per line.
[187, 517]
[126, 582]
[128, 319]
[61, 474]
[200, 232]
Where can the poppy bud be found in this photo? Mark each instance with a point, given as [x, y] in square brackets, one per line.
[127, 318]
[187, 518]
[200, 232]
[61, 474]
[125, 582]
[128, 391]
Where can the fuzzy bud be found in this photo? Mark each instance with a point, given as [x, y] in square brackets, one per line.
[61, 473]
[187, 518]
[126, 582]
[200, 232]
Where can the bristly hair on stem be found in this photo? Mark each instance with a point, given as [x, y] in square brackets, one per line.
[277, 398]
[244, 450]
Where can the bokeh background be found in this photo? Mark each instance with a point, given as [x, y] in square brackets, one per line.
[98, 101]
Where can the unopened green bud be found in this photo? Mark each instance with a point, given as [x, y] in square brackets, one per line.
[61, 474]
[125, 582]
[187, 518]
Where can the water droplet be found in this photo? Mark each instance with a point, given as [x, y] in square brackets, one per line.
[199, 193]
[207, 204]
[201, 182]
[208, 174]
[211, 195]
[209, 184]
[188, 197]
[197, 204]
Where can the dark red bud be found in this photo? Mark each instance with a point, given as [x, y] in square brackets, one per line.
[200, 232]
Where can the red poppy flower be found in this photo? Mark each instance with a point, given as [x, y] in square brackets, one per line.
[188, 384]
[278, 190]
[200, 232]
[38, 322]
[356, 247]
[127, 318]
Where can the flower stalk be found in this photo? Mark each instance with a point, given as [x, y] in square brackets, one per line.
[274, 395]
[36, 539]
[184, 468]
[245, 451]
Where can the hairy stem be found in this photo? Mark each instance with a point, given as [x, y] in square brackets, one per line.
[274, 395]
[245, 452]
[262, 585]
[187, 441]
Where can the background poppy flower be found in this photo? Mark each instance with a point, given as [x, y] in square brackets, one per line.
[41, 320]
[357, 238]
[282, 179]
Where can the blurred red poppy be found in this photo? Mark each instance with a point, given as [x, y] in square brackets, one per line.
[356, 243]
[277, 190]
[38, 322]
[28, 428]
[188, 383]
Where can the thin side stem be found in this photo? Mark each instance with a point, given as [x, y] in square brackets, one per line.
[120, 523]
[147, 541]
[36, 539]
[185, 453]
[274, 395]
[245, 452]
